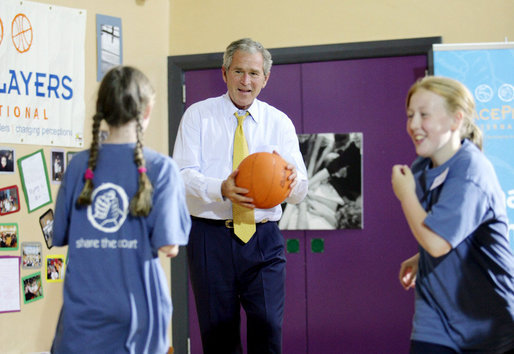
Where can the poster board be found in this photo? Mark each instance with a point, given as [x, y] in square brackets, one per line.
[487, 70]
[34, 180]
[42, 96]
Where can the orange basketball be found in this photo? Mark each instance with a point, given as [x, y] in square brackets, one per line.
[265, 176]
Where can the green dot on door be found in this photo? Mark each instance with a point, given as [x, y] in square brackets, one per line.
[293, 245]
[317, 245]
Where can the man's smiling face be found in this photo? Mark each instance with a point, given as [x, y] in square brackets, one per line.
[245, 78]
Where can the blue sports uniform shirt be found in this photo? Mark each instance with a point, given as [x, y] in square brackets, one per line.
[465, 299]
[116, 297]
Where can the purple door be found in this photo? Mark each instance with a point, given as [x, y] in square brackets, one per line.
[343, 297]
[354, 300]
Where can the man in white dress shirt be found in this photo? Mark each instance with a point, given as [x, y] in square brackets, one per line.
[227, 273]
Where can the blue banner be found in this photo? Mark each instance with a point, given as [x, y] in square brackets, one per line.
[487, 69]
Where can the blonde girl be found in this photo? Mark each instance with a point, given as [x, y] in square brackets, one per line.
[464, 272]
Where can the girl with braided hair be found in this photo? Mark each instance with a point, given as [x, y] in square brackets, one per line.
[118, 205]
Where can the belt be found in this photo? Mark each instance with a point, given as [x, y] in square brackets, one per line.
[229, 223]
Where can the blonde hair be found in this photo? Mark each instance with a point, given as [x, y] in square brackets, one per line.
[124, 95]
[457, 98]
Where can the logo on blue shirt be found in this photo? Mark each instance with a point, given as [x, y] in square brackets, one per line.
[109, 207]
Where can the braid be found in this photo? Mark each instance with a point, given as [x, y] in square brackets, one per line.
[141, 203]
[123, 96]
[85, 196]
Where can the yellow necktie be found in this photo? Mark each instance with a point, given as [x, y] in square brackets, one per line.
[244, 219]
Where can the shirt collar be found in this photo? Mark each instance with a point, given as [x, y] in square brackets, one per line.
[230, 108]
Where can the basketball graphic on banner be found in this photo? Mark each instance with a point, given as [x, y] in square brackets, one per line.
[21, 33]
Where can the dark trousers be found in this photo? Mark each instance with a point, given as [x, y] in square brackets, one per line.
[227, 274]
[417, 347]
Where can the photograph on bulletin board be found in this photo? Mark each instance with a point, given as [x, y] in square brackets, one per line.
[9, 200]
[54, 268]
[334, 169]
[46, 221]
[31, 255]
[58, 165]
[9, 238]
[7, 157]
[32, 287]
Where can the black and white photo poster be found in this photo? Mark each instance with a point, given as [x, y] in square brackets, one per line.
[334, 168]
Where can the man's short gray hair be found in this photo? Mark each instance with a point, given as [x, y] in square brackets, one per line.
[250, 46]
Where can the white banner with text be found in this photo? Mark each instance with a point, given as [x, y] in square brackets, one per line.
[42, 51]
